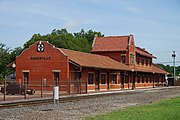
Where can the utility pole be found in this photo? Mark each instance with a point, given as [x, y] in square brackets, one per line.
[174, 56]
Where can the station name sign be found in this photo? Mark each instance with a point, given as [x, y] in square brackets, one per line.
[40, 58]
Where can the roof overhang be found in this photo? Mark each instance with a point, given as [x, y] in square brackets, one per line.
[109, 51]
[150, 56]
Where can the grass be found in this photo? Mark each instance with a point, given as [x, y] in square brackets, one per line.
[163, 110]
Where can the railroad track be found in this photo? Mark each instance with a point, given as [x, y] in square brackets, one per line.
[50, 101]
[62, 100]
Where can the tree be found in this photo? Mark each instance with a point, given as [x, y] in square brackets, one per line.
[35, 37]
[17, 51]
[6, 57]
[170, 69]
[89, 35]
[80, 41]
[4, 60]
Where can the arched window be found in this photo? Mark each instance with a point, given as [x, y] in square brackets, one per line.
[131, 58]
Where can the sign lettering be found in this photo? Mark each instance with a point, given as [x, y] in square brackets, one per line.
[40, 58]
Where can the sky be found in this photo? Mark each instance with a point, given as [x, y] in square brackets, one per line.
[155, 24]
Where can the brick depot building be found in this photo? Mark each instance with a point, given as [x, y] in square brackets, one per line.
[114, 63]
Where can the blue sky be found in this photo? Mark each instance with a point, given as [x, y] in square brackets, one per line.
[155, 24]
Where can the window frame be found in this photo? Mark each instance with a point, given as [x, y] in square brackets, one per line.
[138, 79]
[131, 58]
[56, 77]
[147, 79]
[150, 62]
[114, 76]
[142, 61]
[142, 79]
[151, 79]
[138, 60]
[26, 77]
[123, 60]
[90, 82]
[146, 62]
[103, 81]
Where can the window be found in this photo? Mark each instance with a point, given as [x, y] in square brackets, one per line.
[143, 79]
[150, 62]
[56, 78]
[151, 79]
[138, 61]
[90, 78]
[131, 58]
[157, 79]
[138, 79]
[122, 79]
[146, 79]
[142, 61]
[123, 59]
[146, 62]
[126, 79]
[163, 78]
[103, 78]
[77, 76]
[114, 79]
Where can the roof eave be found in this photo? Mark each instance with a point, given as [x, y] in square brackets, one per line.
[151, 56]
[127, 69]
[108, 51]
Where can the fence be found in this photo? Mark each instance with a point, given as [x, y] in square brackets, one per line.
[43, 89]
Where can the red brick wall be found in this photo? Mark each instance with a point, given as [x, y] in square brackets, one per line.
[145, 58]
[114, 55]
[131, 49]
[39, 69]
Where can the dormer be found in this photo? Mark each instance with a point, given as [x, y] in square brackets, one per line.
[143, 57]
[119, 48]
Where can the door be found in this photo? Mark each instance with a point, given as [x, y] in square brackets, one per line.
[26, 77]
[122, 80]
[77, 82]
[97, 80]
[133, 80]
[108, 80]
[56, 78]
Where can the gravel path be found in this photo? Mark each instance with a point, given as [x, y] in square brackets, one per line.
[87, 107]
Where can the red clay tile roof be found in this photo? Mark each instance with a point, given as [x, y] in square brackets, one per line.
[158, 69]
[111, 43]
[154, 68]
[143, 69]
[92, 60]
[116, 43]
[143, 52]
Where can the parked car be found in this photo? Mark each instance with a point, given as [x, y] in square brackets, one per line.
[14, 88]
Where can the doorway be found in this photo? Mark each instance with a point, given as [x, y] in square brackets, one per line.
[56, 78]
[26, 77]
[77, 82]
[97, 80]
[122, 80]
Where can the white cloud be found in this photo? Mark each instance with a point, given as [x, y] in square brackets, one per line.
[72, 24]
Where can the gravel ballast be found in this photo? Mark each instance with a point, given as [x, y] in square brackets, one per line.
[88, 107]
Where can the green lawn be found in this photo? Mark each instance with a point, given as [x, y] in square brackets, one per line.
[163, 110]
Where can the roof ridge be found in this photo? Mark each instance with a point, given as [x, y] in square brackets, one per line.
[116, 36]
[111, 43]
[144, 50]
[84, 52]
[88, 59]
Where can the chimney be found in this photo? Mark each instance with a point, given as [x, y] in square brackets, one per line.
[130, 39]
[143, 49]
[95, 36]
